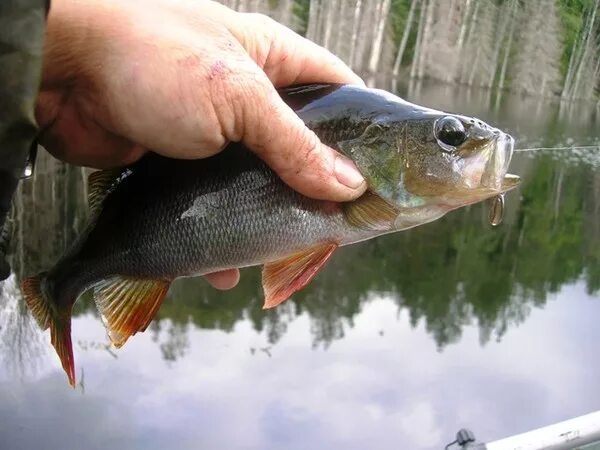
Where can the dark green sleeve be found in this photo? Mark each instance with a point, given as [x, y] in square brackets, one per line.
[22, 27]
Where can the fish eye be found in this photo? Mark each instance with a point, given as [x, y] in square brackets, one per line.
[450, 131]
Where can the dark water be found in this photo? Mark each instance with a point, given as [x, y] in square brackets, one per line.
[397, 344]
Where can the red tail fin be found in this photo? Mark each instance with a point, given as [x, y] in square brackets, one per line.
[46, 313]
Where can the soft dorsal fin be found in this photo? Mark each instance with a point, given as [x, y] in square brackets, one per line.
[128, 305]
[100, 184]
[282, 278]
[371, 212]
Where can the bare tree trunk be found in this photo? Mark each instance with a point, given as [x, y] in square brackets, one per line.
[365, 34]
[508, 47]
[511, 33]
[463, 27]
[285, 13]
[468, 37]
[500, 38]
[474, 66]
[568, 79]
[313, 19]
[417, 51]
[425, 44]
[242, 6]
[417, 55]
[328, 19]
[586, 49]
[341, 28]
[354, 38]
[405, 35]
[384, 11]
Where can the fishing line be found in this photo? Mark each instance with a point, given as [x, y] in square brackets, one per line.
[576, 147]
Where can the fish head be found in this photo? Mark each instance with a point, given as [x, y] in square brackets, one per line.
[452, 160]
[433, 161]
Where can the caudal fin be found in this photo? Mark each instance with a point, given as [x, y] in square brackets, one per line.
[45, 313]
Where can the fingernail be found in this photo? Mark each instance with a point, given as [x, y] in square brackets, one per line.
[347, 173]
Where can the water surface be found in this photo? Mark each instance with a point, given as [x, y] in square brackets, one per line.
[398, 343]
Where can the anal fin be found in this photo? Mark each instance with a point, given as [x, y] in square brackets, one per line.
[284, 277]
[128, 305]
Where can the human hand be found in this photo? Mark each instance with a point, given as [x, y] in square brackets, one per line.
[183, 78]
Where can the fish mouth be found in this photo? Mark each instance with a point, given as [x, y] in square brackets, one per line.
[489, 176]
[495, 177]
[509, 182]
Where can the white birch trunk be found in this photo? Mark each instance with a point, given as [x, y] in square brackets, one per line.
[425, 41]
[354, 37]
[511, 33]
[365, 34]
[313, 19]
[586, 51]
[463, 27]
[341, 29]
[500, 38]
[571, 68]
[468, 38]
[384, 10]
[332, 10]
[417, 54]
[285, 13]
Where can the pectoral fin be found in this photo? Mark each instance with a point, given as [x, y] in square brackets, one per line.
[371, 212]
[284, 277]
[128, 305]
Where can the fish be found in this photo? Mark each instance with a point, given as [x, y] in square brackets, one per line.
[160, 219]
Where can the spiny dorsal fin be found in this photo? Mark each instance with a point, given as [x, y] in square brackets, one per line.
[128, 305]
[101, 183]
[282, 278]
[370, 212]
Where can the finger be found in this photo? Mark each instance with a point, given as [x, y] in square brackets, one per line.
[226, 279]
[286, 57]
[291, 149]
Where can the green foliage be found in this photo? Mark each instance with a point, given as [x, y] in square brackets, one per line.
[300, 11]
[398, 18]
[572, 14]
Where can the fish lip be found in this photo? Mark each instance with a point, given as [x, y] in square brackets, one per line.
[509, 182]
[495, 175]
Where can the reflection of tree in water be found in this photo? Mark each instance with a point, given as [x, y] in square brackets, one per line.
[20, 339]
[448, 274]
[176, 342]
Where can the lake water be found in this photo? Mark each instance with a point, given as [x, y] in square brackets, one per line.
[398, 343]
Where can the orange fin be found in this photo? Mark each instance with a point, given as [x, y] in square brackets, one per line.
[370, 212]
[39, 307]
[46, 315]
[128, 305]
[60, 337]
[282, 278]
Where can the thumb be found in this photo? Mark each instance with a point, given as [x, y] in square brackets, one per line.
[276, 134]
